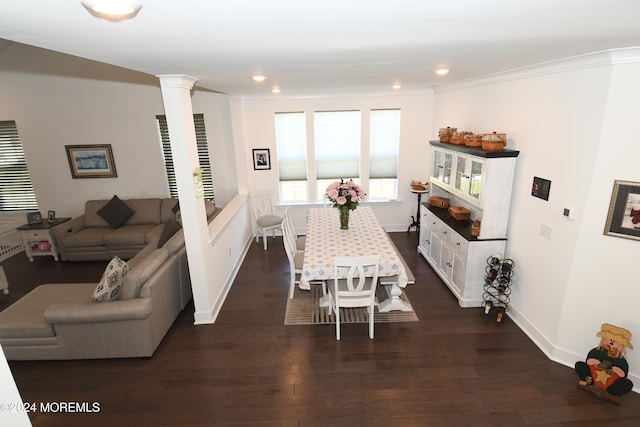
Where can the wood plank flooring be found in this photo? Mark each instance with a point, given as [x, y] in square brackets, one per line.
[455, 367]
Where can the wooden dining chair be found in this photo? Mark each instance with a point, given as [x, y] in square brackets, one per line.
[356, 290]
[263, 216]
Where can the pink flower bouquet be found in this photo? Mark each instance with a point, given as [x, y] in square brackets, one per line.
[345, 194]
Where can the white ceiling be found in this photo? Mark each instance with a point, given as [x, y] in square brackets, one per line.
[315, 48]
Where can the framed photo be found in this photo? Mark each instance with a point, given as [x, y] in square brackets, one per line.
[261, 159]
[91, 161]
[51, 216]
[623, 219]
[34, 218]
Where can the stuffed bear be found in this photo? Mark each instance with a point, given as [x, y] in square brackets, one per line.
[604, 373]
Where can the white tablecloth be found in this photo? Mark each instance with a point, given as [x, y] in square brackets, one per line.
[365, 237]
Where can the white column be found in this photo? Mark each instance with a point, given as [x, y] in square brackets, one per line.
[176, 96]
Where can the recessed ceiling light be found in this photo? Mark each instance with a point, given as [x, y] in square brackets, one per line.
[259, 78]
[275, 90]
[396, 86]
[442, 71]
[114, 10]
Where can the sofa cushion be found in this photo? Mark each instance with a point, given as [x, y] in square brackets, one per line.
[175, 242]
[129, 235]
[110, 284]
[140, 274]
[25, 318]
[171, 227]
[147, 211]
[169, 209]
[116, 212]
[87, 237]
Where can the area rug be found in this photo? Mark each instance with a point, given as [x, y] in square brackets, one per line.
[304, 309]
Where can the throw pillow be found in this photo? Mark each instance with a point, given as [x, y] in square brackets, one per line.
[110, 284]
[170, 228]
[116, 212]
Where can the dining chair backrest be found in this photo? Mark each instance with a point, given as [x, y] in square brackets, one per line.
[261, 205]
[357, 283]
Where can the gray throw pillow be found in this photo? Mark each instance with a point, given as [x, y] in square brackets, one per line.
[115, 212]
[171, 227]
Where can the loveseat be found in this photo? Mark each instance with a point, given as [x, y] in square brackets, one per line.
[100, 233]
[64, 321]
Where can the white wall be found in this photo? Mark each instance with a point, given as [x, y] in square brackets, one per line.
[258, 131]
[566, 119]
[59, 100]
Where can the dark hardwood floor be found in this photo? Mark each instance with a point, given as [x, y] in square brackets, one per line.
[456, 367]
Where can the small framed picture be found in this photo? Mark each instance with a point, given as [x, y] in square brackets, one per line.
[261, 159]
[623, 219]
[34, 218]
[51, 216]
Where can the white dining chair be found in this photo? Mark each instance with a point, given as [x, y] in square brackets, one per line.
[263, 216]
[296, 260]
[356, 290]
[300, 240]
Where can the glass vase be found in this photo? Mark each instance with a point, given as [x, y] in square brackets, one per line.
[344, 218]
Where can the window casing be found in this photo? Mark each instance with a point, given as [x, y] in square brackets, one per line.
[203, 155]
[16, 189]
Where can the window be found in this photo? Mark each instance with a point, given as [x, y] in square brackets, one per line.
[384, 145]
[291, 143]
[307, 165]
[337, 148]
[203, 155]
[16, 190]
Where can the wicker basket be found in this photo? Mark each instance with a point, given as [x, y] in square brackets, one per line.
[460, 213]
[494, 141]
[418, 186]
[475, 228]
[439, 202]
[457, 139]
[472, 140]
[445, 133]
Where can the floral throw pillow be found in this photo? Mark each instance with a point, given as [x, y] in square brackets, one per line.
[110, 284]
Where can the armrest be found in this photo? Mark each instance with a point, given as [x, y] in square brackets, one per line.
[68, 227]
[91, 312]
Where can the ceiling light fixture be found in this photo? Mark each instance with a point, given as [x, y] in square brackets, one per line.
[113, 10]
[259, 78]
[397, 86]
[275, 90]
[442, 71]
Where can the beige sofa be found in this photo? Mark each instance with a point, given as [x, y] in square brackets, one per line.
[61, 321]
[89, 237]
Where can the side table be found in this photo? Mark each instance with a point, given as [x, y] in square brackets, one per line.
[38, 240]
[415, 222]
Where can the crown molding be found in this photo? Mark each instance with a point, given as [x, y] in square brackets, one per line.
[603, 58]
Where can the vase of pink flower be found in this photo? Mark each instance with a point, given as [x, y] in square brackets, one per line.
[345, 195]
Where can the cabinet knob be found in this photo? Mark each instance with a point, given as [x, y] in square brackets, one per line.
[458, 243]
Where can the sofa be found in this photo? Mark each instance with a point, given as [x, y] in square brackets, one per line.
[60, 321]
[100, 233]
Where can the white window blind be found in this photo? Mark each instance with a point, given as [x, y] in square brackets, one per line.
[16, 190]
[291, 144]
[384, 143]
[203, 155]
[337, 144]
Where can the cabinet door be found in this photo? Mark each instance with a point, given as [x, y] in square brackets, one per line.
[425, 227]
[460, 249]
[476, 178]
[447, 161]
[435, 247]
[445, 258]
[461, 181]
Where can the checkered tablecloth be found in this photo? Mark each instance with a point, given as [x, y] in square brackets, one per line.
[365, 237]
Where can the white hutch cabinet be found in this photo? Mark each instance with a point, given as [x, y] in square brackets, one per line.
[481, 181]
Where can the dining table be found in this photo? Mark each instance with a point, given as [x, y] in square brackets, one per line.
[364, 237]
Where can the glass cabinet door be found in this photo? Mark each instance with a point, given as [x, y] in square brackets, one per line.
[461, 177]
[475, 185]
[438, 167]
[448, 163]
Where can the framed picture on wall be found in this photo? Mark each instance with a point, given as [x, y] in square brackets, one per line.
[91, 161]
[261, 159]
[623, 219]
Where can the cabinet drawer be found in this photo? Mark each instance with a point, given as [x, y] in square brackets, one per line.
[36, 234]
